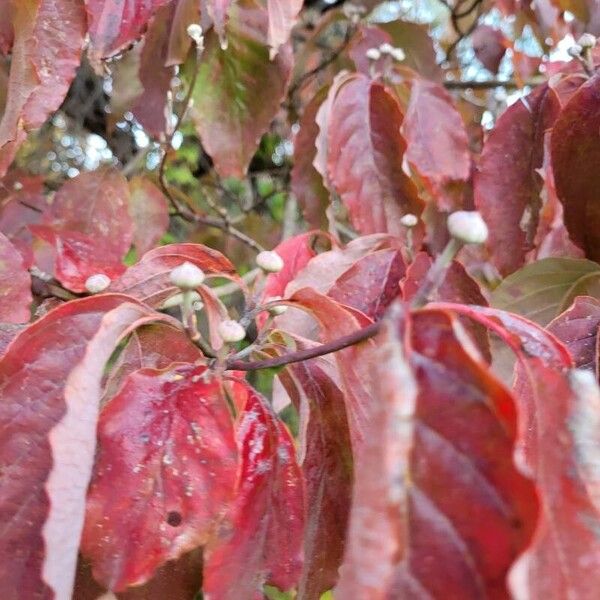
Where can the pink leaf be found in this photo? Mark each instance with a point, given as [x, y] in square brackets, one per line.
[149, 212]
[282, 16]
[15, 285]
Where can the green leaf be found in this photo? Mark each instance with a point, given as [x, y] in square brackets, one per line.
[543, 289]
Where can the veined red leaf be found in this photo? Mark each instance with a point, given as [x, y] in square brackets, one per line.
[306, 181]
[364, 158]
[77, 257]
[166, 441]
[114, 24]
[575, 149]
[260, 540]
[238, 91]
[371, 283]
[282, 16]
[335, 321]
[154, 346]
[15, 285]
[327, 467]
[185, 13]
[149, 211]
[564, 558]
[507, 185]
[577, 328]
[440, 438]
[148, 280]
[47, 417]
[96, 205]
[49, 37]
[437, 143]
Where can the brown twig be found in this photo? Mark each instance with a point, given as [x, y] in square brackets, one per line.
[348, 340]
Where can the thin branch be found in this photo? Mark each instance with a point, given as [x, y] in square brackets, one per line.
[490, 84]
[348, 340]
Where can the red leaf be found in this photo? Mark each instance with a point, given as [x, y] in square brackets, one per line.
[489, 47]
[282, 16]
[507, 185]
[149, 212]
[166, 441]
[96, 205]
[261, 539]
[77, 257]
[238, 91]
[365, 153]
[155, 78]
[296, 252]
[50, 377]
[114, 24]
[306, 181]
[440, 439]
[49, 36]
[149, 279]
[438, 146]
[185, 13]
[575, 150]
[15, 285]
[6, 28]
[218, 10]
[353, 362]
[371, 283]
[327, 468]
[577, 329]
[557, 428]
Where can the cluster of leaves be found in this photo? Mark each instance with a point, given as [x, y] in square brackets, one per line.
[390, 455]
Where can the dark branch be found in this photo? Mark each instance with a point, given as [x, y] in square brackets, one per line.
[293, 357]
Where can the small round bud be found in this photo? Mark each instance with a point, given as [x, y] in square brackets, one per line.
[231, 331]
[194, 30]
[373, 54]
[276, 310]
[17, 186]
[575, 51]
[97, 283]
[409, 220]
[187, 276]
[386, 48]
[587, 40]
[398, 54]
[269, 261]
[468, 227]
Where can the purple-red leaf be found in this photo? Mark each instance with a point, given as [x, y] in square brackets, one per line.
[365, 149]
[149, 211]
[438, 146]
[260, 540]
[166, 442]
[489, 47]
[575, 150]
[439, 509]
[15, 285]
[114, 24]
[282, 16]
[507, 184]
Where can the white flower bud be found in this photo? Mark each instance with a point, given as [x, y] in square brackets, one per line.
[587, 40]
[269, 261]
[409, 220]
[398, 54]
[373, 54]
[187, 276]
[386, 48]
[468, 227]
[575, 51]
[276, 310]
[97, 283]
[194, 30]
[231, 331]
